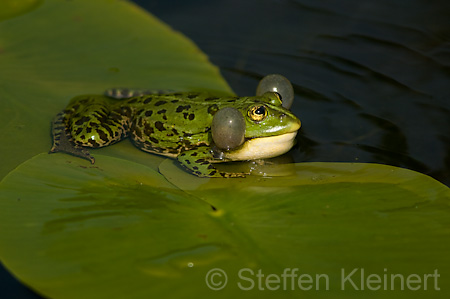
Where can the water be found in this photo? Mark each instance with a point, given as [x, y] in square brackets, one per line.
[372, 78]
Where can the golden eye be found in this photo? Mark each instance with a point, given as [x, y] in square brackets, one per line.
[257, 113]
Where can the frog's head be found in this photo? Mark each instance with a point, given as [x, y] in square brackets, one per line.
[265, 117]
[270, 129]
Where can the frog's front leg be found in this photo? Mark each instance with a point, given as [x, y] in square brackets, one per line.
[198, 161]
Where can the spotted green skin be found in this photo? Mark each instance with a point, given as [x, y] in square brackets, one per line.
[176, 125]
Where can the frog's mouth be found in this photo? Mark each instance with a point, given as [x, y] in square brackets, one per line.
[263, 147]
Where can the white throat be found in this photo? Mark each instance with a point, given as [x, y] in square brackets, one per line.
[264, 147]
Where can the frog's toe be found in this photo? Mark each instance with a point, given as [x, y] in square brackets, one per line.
[73, 150]
[209, 171]
[62, 143]
[233, 174]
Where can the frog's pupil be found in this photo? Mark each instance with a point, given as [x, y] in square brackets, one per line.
[260, 110]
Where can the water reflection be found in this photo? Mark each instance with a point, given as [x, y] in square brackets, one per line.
[371, 77]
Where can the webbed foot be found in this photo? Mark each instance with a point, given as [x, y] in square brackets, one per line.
[62, 141]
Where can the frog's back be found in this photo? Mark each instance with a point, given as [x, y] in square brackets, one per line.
[171, 123]
[191, 112]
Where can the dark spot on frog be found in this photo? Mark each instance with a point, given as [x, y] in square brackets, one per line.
[159, 103]
[199, 161]
[93, 143]
[181, 108]
[108, 128]
[213, 109]
[192, 96]
[159, 125]
[185, 143]
[185, 114]
[154, 140]
[194, 154]
[210, 166]
[116, 115]
[211, 99]
[138, 133]
[134, 100]
[148, 130]
[79, 130]
[125, 111]
[191, 116]
[213, 172]
[164, 117]
[175, 131]
[82, 120]
[195, 167]
[173, 150]
[174, 101]
[162, 111]
[148, 100]
[198, 172]
[187, 161]
[102, 135]
[185, 134]
[148, 113]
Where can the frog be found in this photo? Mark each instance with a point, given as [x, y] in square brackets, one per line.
[176, 125]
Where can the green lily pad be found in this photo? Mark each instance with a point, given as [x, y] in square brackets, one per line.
[120, 229]
[12, 8]
[54, 51]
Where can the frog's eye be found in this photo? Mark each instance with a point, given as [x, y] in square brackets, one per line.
[278, 84]
[257, 113]
[228, 128]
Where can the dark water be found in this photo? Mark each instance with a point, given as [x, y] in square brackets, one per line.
[372, 78]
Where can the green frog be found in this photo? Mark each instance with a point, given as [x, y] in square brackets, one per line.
[176, 125]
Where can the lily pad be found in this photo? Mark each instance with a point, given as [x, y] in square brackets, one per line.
[120, 229]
